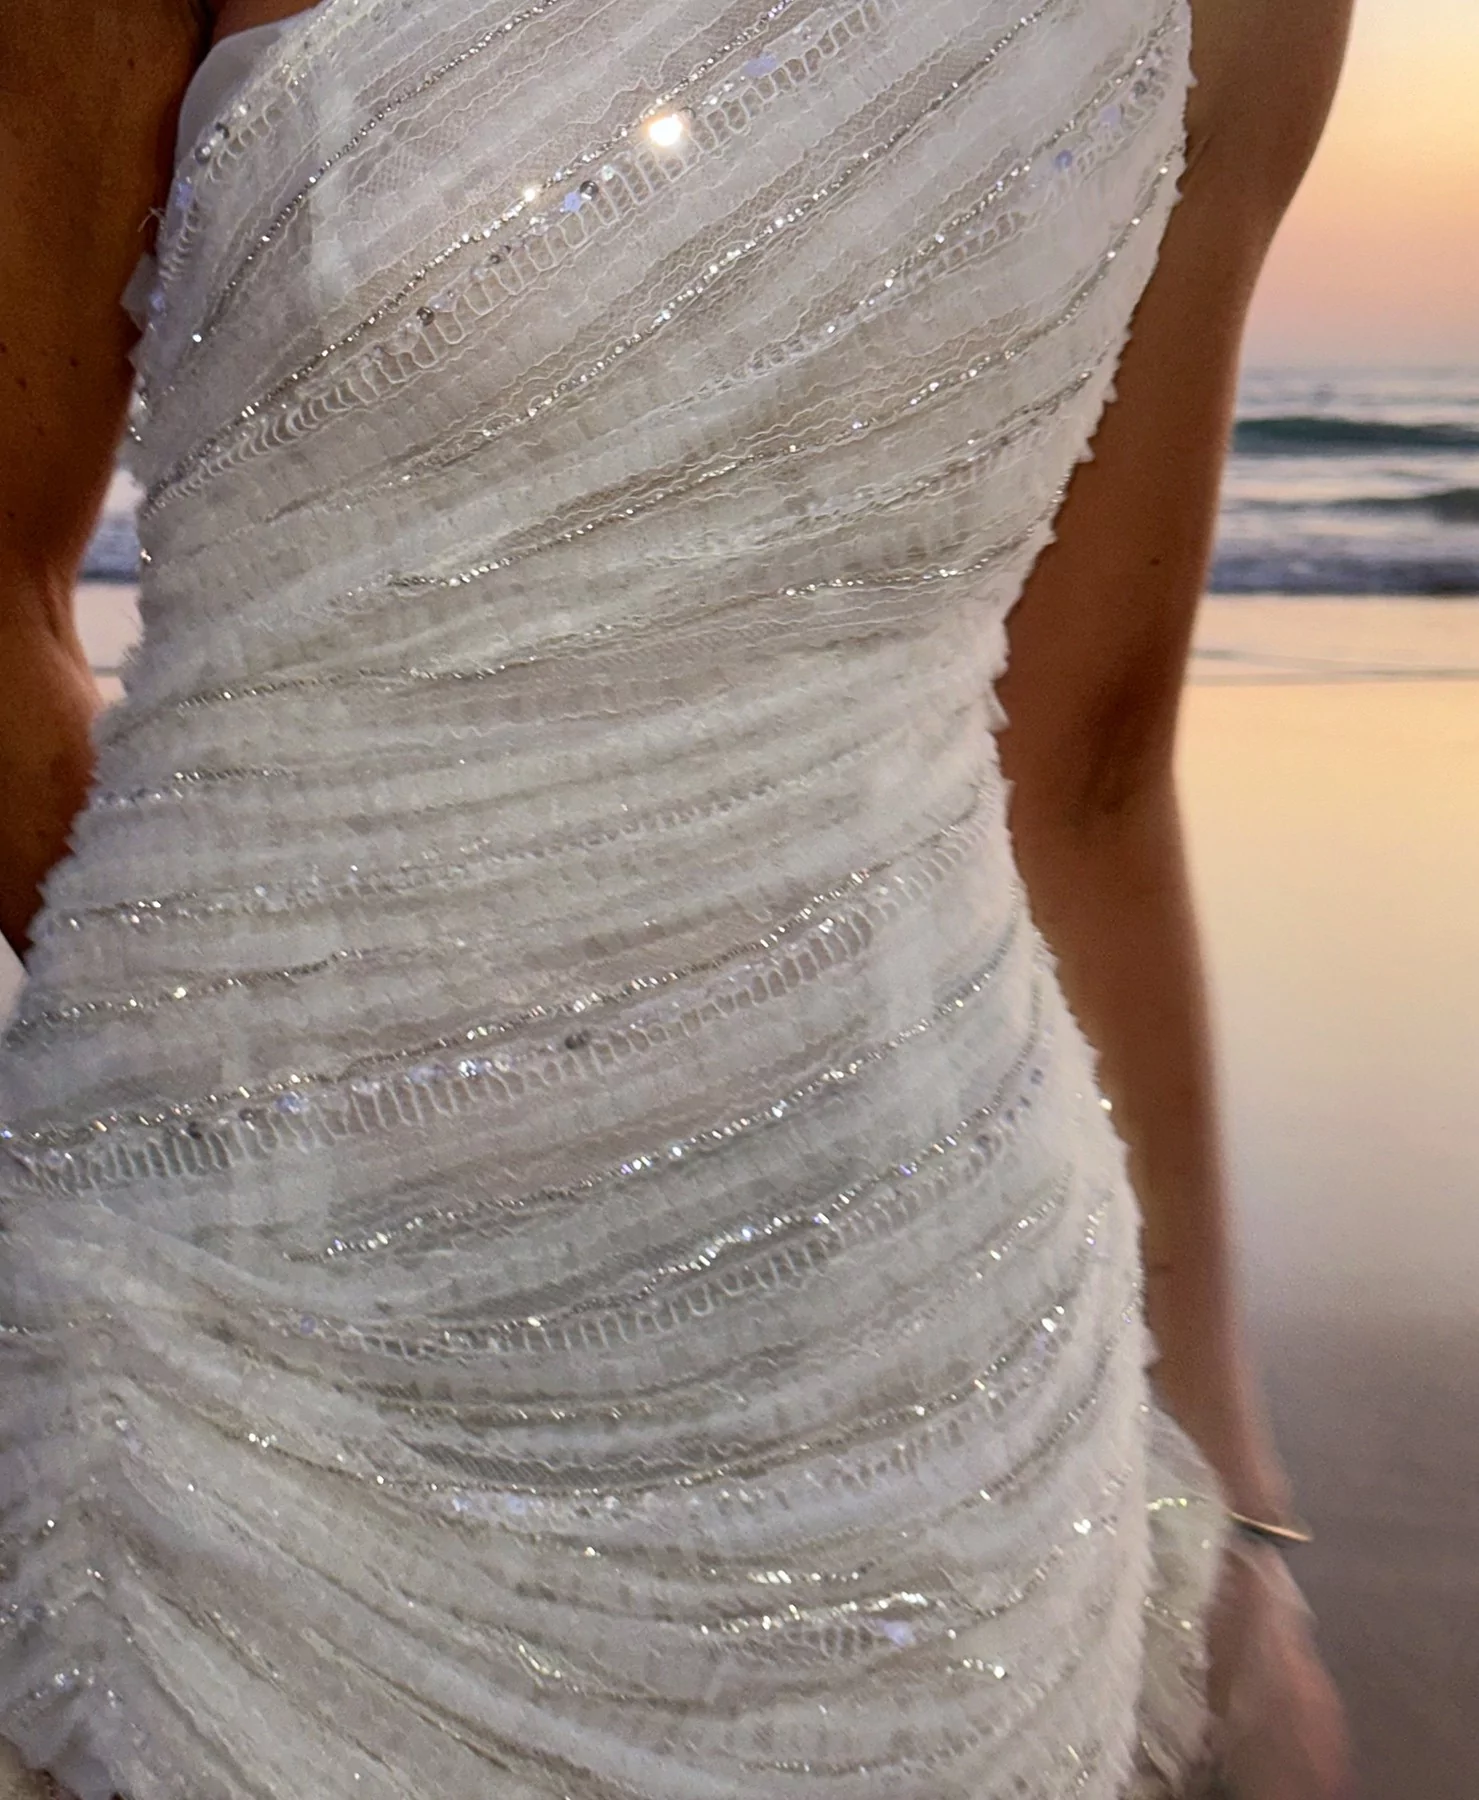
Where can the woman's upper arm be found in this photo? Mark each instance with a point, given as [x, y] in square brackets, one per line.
[89, 95]
[1100, 637]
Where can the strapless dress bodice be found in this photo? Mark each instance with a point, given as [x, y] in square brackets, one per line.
[218, 76]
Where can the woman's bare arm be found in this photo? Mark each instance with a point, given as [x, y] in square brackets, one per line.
[89, 96]
[1099, 644]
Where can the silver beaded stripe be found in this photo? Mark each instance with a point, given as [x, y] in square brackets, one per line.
[573, 1410]
[871, 1210]
[603, 1322]
[633, 630]
[926, 853]
[183, 1148]
[862, 1621]
[715, 271]
[535, 1411]
[215, 150]
[391, 682]
[930, 1175]
[445, 457]
[910, 275]
[886, 1212]
[846, 903]
[709, 132]
[649, 171]
[265, 1442]
[1029, 339]
[434, 77]
[896, 1443]
[947, 381]
[863, 1626]
[1071, 1767]
[361, 880]
[404, 878]
[983, 1135]
[874, 1627]
[135, 1004]
[186, 779]
[215, 153]
[467, 1508]
[681, 487]
[366, 881]
[1018, 1371]
[911, 267]
[967, 464]
[171, 253]
[1015, 1372]
[583, 1515]
[883, 1212]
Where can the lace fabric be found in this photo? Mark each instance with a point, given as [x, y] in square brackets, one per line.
[211, 90]
[561, 1237]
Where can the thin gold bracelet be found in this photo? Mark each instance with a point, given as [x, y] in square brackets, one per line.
[1271, 1534]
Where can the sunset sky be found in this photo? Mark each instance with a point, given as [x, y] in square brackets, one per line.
[1378, 259]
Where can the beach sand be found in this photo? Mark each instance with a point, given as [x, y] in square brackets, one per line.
[1329, 771]
[1334, 839]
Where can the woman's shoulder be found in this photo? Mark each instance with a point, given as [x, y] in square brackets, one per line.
[1264, 73]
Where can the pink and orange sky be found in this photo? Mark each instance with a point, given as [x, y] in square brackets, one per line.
[1378, 259]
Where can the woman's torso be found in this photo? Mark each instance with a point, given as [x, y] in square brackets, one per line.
[542, 1021]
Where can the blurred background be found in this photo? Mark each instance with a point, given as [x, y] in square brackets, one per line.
[1330, 776]
[1329, 768]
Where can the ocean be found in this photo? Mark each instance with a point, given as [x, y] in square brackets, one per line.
[1356, 482]
[1338, 483]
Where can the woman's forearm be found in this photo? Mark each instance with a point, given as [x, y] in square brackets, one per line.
[1110, 893]
[48, 700]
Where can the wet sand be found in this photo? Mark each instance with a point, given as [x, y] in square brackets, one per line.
[1334, 834]
[1329, 769]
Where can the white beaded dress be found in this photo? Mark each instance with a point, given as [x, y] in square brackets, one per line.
[560, 1238]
